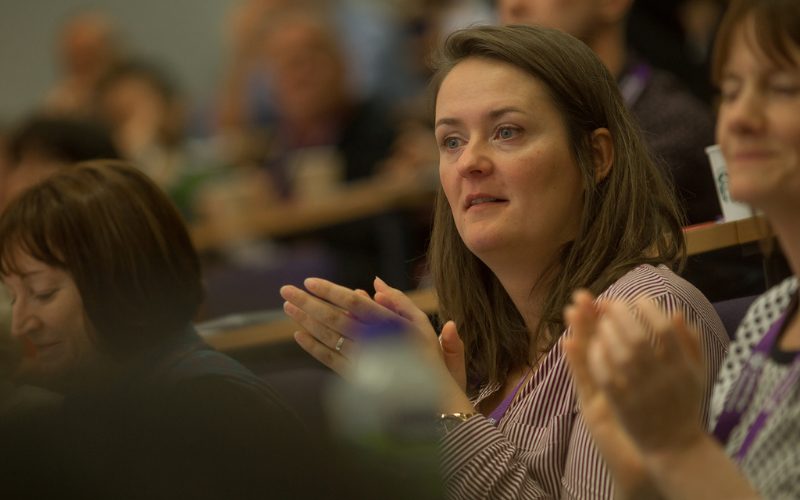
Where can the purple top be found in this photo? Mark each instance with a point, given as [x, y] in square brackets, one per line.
[501, 410]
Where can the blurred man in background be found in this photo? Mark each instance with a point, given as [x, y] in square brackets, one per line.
[88, 46]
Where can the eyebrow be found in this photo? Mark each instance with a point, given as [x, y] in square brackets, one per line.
[494, 114]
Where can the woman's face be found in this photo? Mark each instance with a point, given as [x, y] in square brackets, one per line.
[48, 311]
[759, 125]
[505, 162]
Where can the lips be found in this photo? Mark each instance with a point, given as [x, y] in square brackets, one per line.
[752, 155]
[44, 347]
[479, 199]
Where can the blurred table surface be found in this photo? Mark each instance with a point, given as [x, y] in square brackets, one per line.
[279, 328]
[714, 236]
[356, 200]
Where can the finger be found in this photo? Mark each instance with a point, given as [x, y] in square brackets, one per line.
[453, 351]
[578, 363]
[612, 334]
[688, 338]
[598, 365]
[323, 312]
[385, 301]
[361, 292]
[664, 329]
[366, 310]
[322, 333]
[634, 345]
[323, 354]
[581, 318]
[404, 306]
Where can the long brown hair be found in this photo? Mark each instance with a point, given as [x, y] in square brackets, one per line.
[630, 218]
[123, 243]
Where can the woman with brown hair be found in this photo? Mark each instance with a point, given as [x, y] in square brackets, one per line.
[642, 399]
[105, 283]
[547, 187]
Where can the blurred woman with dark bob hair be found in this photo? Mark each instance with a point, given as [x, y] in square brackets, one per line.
[547, 187]
[105, 283]
[643, 398]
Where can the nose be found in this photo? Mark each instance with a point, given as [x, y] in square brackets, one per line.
[744, 114]
[475, 160]
[23, 321]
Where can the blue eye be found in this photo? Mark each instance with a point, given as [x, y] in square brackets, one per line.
[507, 133]
[452, 143]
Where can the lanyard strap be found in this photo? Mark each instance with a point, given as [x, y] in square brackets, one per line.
[634, 81]
[499, 412]
[741, 395]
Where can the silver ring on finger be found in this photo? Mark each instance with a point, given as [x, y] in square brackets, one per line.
[339, 344]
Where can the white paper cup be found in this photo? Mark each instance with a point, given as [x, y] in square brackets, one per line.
[732, 210]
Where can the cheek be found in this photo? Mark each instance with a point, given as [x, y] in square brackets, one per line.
[721, 132]
[788, 126]
[449, 183]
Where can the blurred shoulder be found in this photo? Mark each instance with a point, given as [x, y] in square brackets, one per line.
[672, 293]
[763, 312]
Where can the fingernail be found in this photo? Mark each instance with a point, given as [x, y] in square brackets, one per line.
[380, 280]
[289, 308]
[287, 292]
[310, 283]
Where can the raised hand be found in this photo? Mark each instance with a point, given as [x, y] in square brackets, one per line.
[624, 460]
[335, 318]
[656, 390]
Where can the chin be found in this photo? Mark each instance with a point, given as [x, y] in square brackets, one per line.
[483, 245]
[747, 191]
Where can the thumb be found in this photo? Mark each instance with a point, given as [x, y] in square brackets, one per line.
[453, 351]
[581, 319]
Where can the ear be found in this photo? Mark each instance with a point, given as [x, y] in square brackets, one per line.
[602, 153]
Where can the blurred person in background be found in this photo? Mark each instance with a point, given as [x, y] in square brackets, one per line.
[323, 135]
[678, 127]
[88, 46]
[366, 33]
[146, 112]
[43, 145]
[105, 283]
[314, 102]
[640, 396]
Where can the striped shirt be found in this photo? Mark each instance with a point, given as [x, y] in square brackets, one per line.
[541, 448]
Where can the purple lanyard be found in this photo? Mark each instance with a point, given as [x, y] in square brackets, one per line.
[634, 81]
[498, 413]
[742, 394]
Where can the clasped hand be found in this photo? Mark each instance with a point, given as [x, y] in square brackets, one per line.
[329, 313]
[639, 377]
